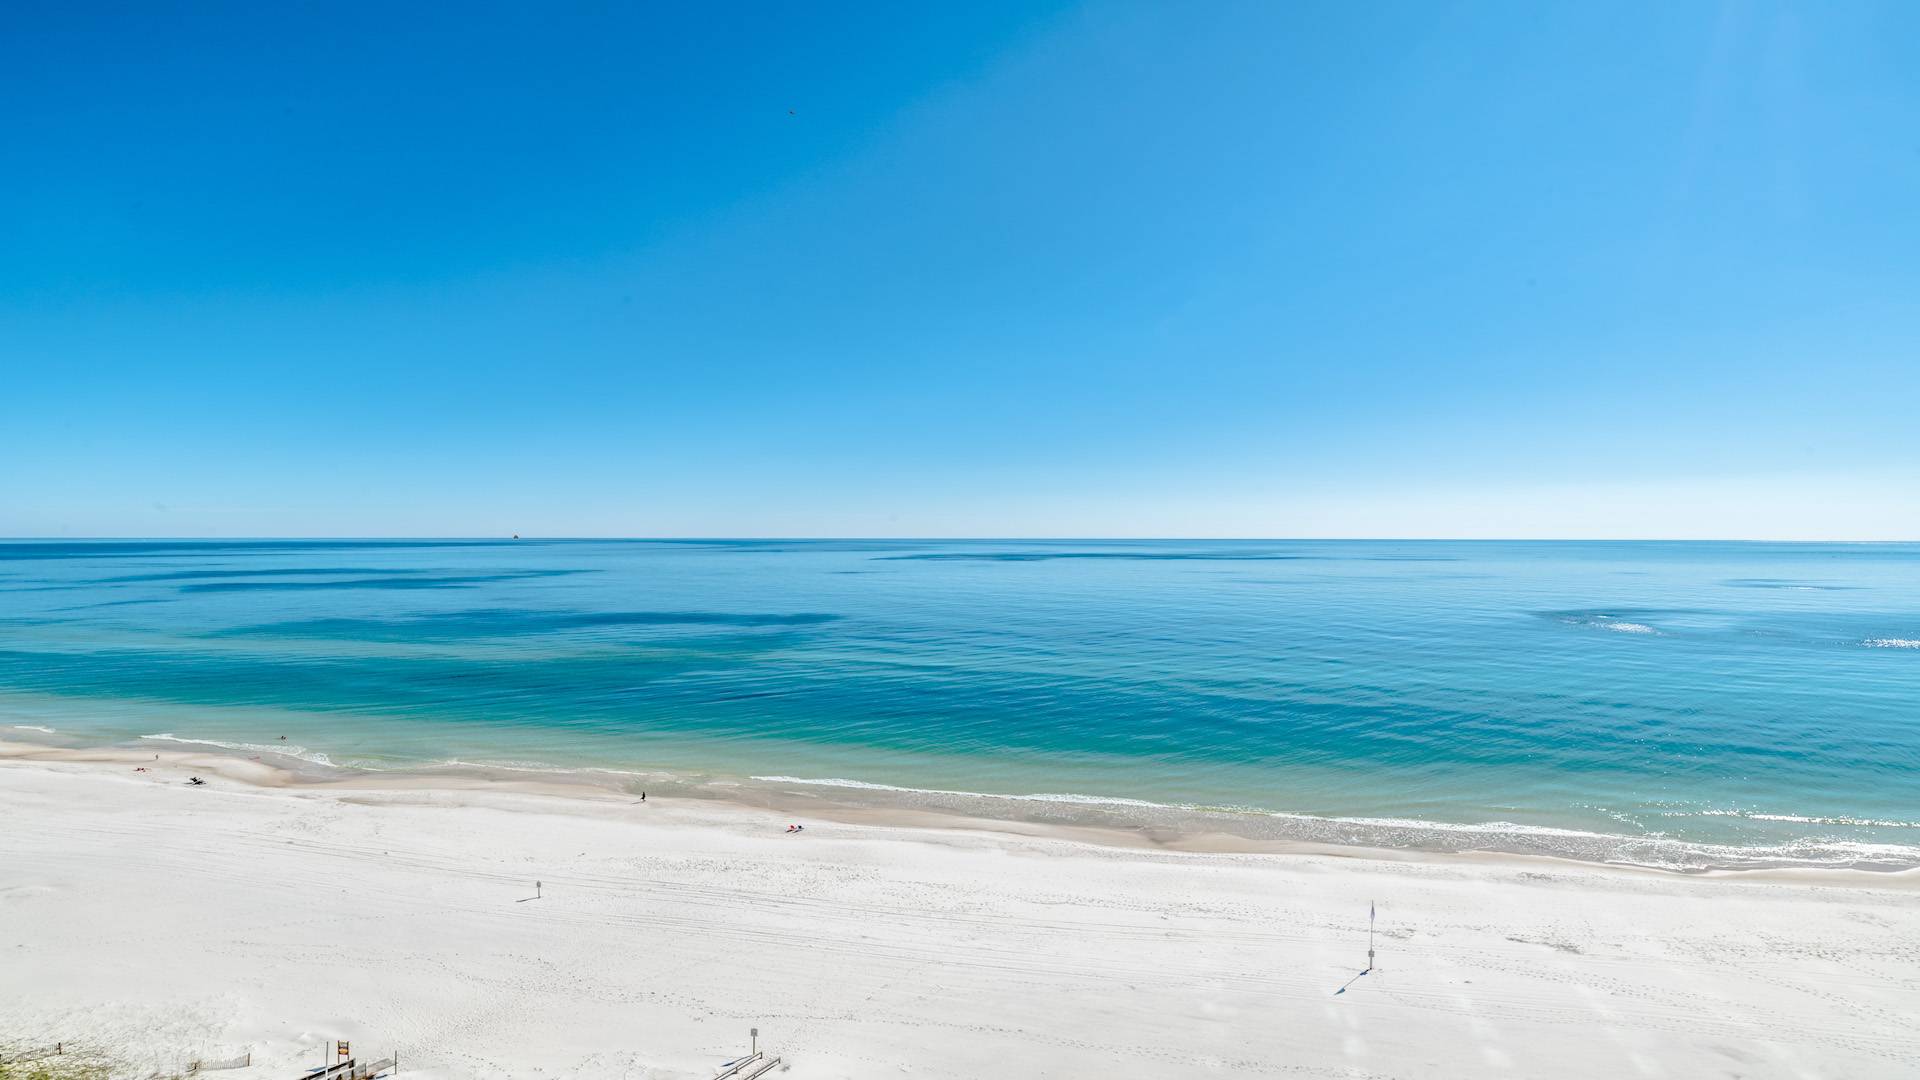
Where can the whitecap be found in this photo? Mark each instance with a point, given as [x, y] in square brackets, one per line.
[1599, 620]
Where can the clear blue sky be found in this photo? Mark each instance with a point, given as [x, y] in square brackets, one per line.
[1271, 269]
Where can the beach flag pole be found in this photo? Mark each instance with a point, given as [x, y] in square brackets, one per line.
[1370, 916]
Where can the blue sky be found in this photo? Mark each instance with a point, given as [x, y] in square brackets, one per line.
[1266, 269]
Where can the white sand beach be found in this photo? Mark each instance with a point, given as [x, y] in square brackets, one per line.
[160, 923]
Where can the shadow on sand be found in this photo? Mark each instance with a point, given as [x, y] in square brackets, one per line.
[1350, 982]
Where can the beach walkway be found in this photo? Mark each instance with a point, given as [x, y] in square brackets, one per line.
[754, 1064]
[352, 1070]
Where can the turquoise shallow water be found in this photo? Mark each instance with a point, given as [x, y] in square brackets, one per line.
[1758, 701]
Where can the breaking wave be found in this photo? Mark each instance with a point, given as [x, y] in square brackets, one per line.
[1654, 851]
[283, 749]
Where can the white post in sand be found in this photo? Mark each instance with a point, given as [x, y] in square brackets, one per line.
[1370, 914]
[755, 1034]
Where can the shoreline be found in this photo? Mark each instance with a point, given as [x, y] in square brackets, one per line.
[1102, 822]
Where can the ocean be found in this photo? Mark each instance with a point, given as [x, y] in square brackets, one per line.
[1686, 705]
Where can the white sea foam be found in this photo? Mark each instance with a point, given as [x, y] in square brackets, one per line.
[1653, 850]
[1097, 800]
[33, 727]
[834, 781]
[1601, 621]
[1877, 822]
[284, 749]
[1891, 643]
[533, 767]
[1459, 828]
[1086, 800]
[1798, 819]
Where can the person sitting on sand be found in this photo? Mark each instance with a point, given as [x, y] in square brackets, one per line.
[195, 780]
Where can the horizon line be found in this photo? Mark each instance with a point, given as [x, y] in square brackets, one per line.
[694, 538]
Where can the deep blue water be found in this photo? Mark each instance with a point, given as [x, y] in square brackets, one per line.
[1762, 696]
